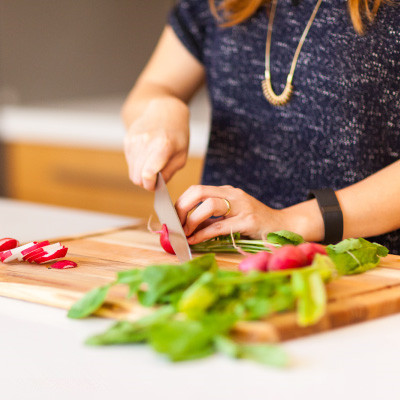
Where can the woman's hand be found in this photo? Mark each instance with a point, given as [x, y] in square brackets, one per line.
[157, 141]
[247, 215]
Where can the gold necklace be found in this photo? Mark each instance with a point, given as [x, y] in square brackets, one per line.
[284, 97]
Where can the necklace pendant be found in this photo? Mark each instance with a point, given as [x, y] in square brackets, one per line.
[272, 97]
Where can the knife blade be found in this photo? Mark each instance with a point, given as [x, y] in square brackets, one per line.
[167, 215]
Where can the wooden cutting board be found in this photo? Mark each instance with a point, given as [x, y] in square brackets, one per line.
[99, 256]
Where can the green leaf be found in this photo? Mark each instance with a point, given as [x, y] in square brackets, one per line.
[261, 353]
[284, 237]
[89, 303]
[131, 332]
[189, 339]
[309, 289]
[165, 278]
[354, 256]
[199, 296]
[132, 278]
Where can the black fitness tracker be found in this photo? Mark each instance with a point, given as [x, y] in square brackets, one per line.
[331, 214]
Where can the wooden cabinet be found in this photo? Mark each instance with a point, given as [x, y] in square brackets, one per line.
[84, 178]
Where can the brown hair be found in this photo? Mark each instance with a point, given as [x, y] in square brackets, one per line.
[236, 11]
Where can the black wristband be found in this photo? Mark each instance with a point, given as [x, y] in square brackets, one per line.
[331, 214]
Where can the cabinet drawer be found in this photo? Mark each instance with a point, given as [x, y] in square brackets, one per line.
[83, 178]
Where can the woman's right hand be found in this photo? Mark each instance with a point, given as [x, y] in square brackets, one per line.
[157, 141]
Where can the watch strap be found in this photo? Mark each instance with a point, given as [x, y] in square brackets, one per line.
[331, 214]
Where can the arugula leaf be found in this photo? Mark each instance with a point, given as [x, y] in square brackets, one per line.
[189, 339]
[262, 353]
[89, 303]
[165, 278]
[131, 332]
[284, 237]
[354, 256]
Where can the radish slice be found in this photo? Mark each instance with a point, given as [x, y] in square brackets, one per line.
[64, 264]
[8, 244]
[51, 256]
[11, 255]
[34, 254]
[25, 253]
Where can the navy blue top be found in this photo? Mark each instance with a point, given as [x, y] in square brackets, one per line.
[343, 121]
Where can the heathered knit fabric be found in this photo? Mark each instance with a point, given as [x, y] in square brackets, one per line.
[343, 121]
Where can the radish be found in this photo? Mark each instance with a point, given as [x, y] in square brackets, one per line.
[41, 251]
[8, 244]
[50, 253]
[64, 264]
[287, 257]
[13, 254]
[164, 237]
[310, 250]
[25, 253]
[164, 240]
[258, 262]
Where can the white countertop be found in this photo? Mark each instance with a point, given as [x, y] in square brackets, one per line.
[42, 355]
[89, 123]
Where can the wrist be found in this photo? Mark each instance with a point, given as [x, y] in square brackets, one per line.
[305, 219]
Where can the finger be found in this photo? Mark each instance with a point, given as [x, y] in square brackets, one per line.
[158, 158]
[137, 148]
[212, 207]
[175, 164]
[197, 194]
[220, 227]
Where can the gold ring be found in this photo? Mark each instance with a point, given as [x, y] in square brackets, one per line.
[229, 207]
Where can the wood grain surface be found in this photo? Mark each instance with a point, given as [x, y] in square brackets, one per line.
[99, 256]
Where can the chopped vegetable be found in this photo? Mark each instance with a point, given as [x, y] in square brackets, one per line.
[64, 264]
[164, 237]
[13, 254]
[36, 252]
[8, 244]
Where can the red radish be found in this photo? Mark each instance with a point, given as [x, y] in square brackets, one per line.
[164, 240]
[51, 253]
[11, 255]
[258, 262]
[8, 244]
[164, 237]
[64, 264]
[41, 251]
[287, 257]
[26, 252]
[310, 250]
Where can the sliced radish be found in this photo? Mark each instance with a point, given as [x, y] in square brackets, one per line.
[51, 256]
[8, 244]
[36, 253]
[11, 255]
[25, 253]
[64, 264]
[41, 251]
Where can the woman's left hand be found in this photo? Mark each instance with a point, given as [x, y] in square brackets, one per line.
[246, 215]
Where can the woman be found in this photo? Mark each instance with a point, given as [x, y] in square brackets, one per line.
[338, 129]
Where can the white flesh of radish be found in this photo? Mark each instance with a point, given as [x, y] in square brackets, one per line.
[15, 253]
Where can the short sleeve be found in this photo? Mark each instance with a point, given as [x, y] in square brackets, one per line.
[190, 19]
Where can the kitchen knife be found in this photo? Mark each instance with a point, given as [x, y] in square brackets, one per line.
[167, 215]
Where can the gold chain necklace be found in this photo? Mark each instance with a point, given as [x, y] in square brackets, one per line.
[284, 97]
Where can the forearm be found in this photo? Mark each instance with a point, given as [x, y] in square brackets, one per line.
[142, 95]
[370, 207]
